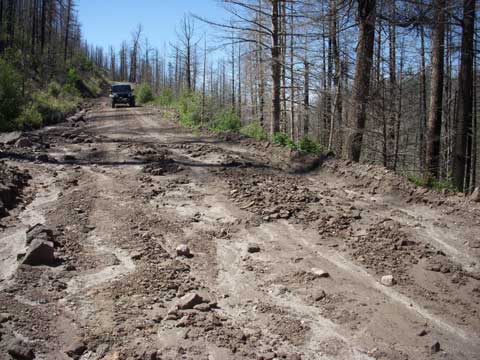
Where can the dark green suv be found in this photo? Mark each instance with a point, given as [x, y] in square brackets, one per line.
[122, 94]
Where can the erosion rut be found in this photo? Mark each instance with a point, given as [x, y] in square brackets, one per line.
[136, 185]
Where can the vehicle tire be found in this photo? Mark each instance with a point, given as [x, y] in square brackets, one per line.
[113, 105]
[132, 103]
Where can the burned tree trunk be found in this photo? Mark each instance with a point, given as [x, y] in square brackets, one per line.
[276, 67]
[434, 125]
[464, 135]
[361, 85]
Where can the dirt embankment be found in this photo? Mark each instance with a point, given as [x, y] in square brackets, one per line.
[137, 239]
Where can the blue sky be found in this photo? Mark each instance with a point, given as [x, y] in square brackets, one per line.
[109, 22]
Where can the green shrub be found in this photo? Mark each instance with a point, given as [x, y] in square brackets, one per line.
[11, 99]
[254, 130]
[30, 118]
[310, 146]
[144, 93]
[72, 77]
[54, 109]
[54, 89]
[189, 106]
[226, 121]
[283, 139]
[165, 98]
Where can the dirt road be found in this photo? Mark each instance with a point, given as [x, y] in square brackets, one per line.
[282, 266]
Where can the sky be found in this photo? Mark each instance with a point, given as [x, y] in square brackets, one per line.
[108, 22]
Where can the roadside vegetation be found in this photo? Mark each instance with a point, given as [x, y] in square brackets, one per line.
[46, 69]
[27, 104]
[437, 185]
[198, 112]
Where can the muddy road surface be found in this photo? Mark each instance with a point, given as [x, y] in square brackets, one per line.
[170, 244]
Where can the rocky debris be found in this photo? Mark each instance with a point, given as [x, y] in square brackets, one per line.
[69, 157]
[299, 162]
[160, 168]
[183, 250]
[269, 195]
[76, 349]
[319, 273]
[235, 161]
[79, 116]
[439, 263]
[386, 247]
[23, 142]
[42, 158]
[253, 248]
[5, 317]
[476, 195]
[40, 252]
[112, 356]
[10, 138]
[12, 182]
[40, 232]
[388, 280]
[19, 350]
[190, 300]
[160, 162]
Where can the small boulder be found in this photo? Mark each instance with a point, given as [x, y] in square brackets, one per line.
[188, 301]
[183, 250]
[253, 248]
[422, 333]
[40, 252]
[319, 273]
[40, 232]
[5, 317]
[435, 348]
[388, 280]
[476, 195]
[204, 307]
[319, 295]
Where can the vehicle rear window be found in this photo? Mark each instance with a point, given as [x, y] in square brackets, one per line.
[121, 88]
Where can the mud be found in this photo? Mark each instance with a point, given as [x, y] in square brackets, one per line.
[123, 188]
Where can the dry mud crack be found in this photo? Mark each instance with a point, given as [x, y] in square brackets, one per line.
[282, 266]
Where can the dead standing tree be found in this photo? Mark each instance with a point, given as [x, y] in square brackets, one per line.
[462, 163]
[434, 124]
[136, 36]
[361, 84]
[186, 38]
[253, 27]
